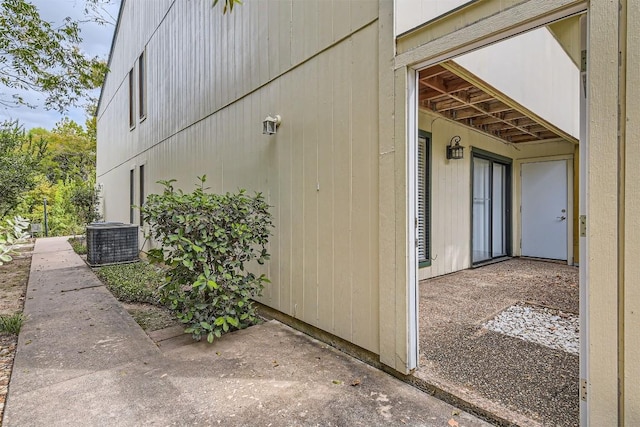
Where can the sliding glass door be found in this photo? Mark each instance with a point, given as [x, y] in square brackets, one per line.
[490, 207]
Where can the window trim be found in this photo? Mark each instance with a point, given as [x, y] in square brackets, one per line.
[508, 162]
[422, 263]
[142, 86]
[132, 194]
[132, 99]
[141, 190]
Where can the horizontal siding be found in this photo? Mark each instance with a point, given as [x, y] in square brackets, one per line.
[319, 171]
[451, 189]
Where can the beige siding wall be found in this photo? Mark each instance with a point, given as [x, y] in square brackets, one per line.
[451, 189]
[212, 80]
[631, 296]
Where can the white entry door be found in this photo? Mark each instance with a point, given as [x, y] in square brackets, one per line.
[545, 216]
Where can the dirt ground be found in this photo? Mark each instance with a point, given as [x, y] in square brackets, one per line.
[491, 369]
[13, 284]
[13, 287]
[151, 317]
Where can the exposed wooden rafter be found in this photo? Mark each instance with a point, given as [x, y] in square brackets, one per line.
[452, 91]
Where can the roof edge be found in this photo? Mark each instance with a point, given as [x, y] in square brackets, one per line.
[113, 42]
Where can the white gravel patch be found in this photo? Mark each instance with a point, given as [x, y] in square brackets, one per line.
[551, 328]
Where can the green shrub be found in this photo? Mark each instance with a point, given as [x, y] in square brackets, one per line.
[208, 240]
[11, 324]
[79, 245]
[135, 282]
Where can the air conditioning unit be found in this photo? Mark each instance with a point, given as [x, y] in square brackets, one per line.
[111, 243]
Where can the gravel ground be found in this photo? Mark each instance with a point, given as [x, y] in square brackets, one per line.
[7, 353]
[539, 325]
[534, 380]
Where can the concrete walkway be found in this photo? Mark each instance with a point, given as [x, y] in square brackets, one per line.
[83, 361]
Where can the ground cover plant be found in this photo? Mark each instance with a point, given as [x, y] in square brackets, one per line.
[136, 286]
[79, 245]
[208, 241]
[136, 282]
[11, 324]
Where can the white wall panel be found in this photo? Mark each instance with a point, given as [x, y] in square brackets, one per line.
[534, 70]
[412, 13]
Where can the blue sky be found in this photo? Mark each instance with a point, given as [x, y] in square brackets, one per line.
[96, 42]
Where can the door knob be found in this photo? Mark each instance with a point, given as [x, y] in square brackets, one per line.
[561, 218]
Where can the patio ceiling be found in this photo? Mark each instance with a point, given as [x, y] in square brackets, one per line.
[455, 93]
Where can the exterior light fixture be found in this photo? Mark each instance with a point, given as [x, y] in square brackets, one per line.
[270, 125]
[454, 149]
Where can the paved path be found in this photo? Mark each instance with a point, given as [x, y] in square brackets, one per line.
[83, 361]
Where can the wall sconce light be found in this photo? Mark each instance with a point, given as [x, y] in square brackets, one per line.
[270, 125]
[454, 149]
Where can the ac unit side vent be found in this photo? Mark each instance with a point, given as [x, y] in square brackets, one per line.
[111, 243]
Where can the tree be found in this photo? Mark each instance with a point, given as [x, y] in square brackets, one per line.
[84, 199]
[35, 55]
[20, 156]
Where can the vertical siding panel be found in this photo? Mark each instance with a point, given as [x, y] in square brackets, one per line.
[341, 18]
[364, 86]
[326, 142]
[632, 231]
[440, 184]
[310, 194]
[325, 23]
[284, 142]
[261, 31]
[285, 36]
[257, 31]
[310, 28]
[272, 192]
[449, 186]
[215, 47]
[298, 31]
[342, 192]
[242, 52]
[272, 43]
[208, 64]
[362, 12]
[297, 205]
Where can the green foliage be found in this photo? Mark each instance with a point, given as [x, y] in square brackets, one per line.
[84, 199]
[11, 324]
[135, 282]
[71, 152]
[62, 171]
[79, 245]
[37, 56]
[11, 235]
[20, 156]
[208, 240]
[228, 5]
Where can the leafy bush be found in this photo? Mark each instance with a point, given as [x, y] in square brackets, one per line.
[135, 282]
[208, 240]
[11, 235]
[11, 324]
[78, 244]
[84, 199]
